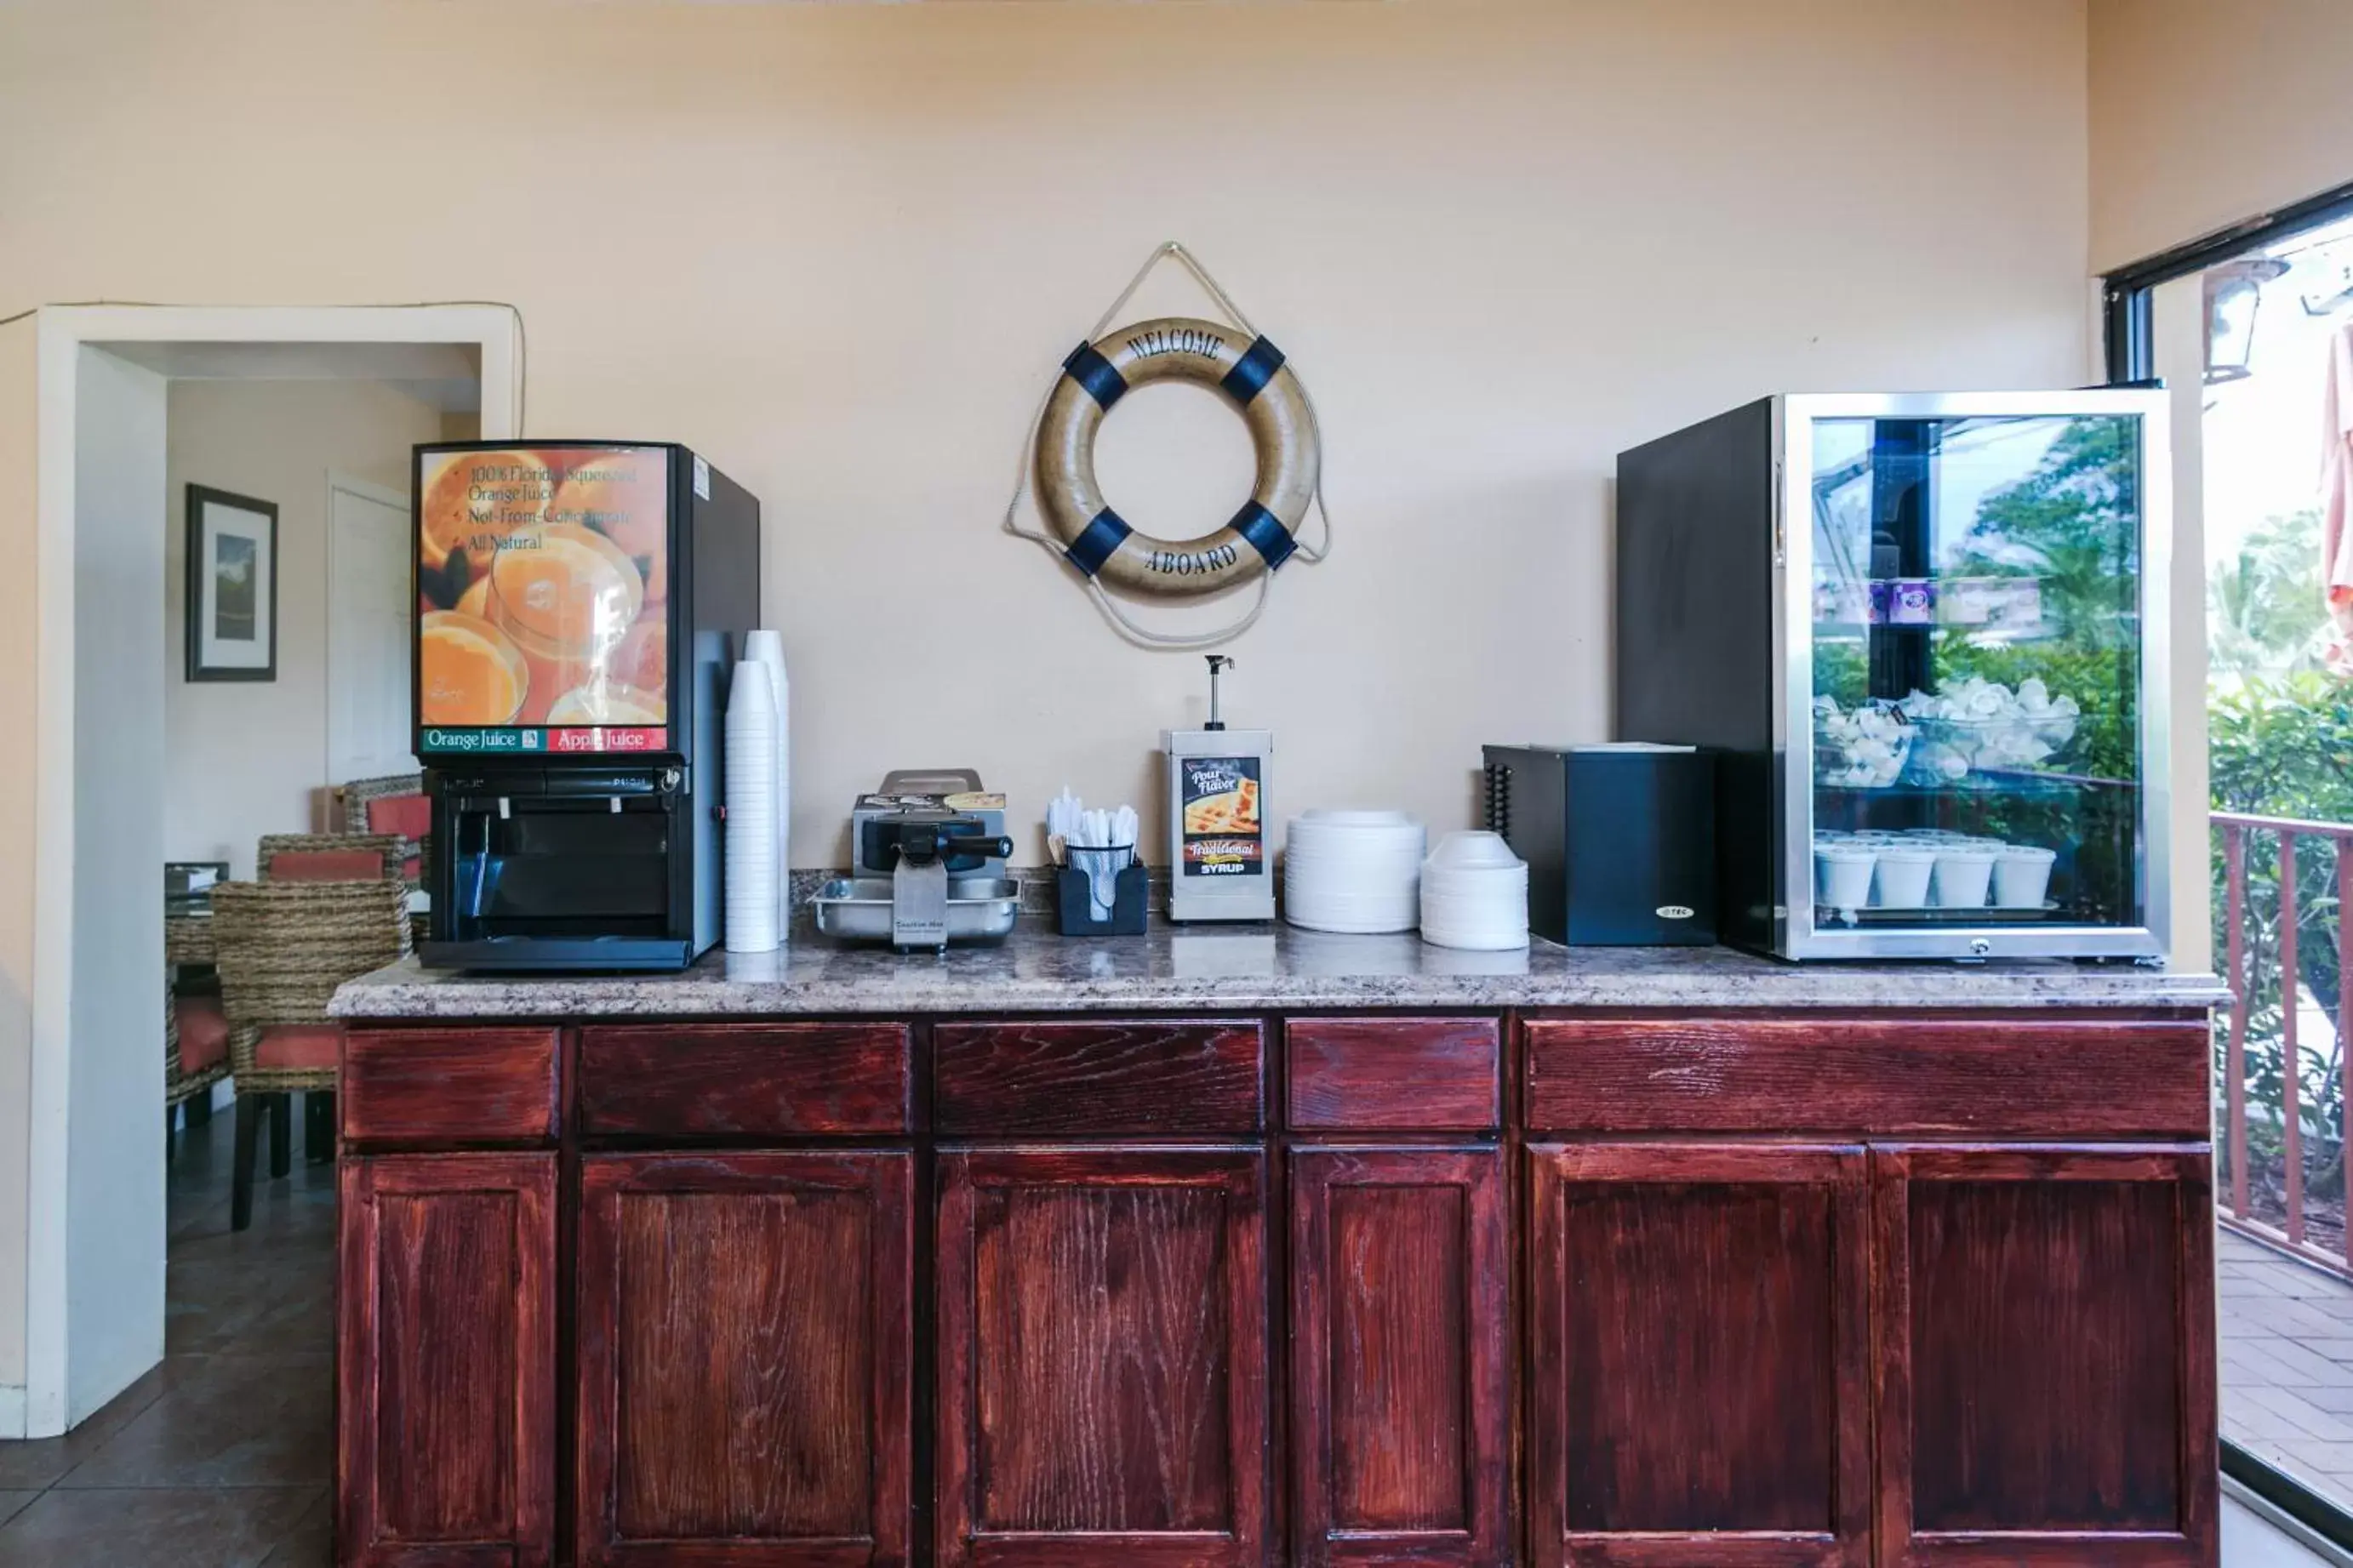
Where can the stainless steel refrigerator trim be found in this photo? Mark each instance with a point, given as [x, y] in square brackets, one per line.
[1798, 938]
[1793, 916]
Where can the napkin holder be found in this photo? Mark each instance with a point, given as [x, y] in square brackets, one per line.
[1074, 906]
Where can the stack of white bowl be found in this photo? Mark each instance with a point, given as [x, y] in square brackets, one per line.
[1475, 893]
[1353, 871]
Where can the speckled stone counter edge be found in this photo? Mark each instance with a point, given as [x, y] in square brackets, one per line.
[1244, 969]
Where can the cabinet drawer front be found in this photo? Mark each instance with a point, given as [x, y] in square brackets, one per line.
[448, 1086]
[1142, 1077]
[1985, 1076]
[1431, 1073]
[753, 1080]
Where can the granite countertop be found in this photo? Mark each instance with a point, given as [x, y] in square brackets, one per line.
[1245, 969]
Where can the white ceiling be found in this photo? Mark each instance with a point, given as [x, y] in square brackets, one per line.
[445, 375]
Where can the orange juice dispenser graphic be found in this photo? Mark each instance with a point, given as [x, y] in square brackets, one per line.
[579, 606]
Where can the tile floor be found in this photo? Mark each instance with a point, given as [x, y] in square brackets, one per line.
[2287, 1364]
[219, 1457]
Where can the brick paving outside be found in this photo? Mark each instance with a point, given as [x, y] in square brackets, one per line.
[2287, 1364]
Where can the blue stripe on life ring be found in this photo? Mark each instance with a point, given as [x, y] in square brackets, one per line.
[1097, 375]
[1253, 372]
[1096, 541]
[1265, 533]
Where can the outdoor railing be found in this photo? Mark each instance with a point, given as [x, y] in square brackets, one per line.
[2279, 900]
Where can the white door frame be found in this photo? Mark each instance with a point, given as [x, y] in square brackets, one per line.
[64, 330]
[383, 495]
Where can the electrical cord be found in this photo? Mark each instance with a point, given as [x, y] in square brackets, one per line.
[522, 334]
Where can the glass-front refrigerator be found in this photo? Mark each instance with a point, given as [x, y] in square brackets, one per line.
[1928, 635]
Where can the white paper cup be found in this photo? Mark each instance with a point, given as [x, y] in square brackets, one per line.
[1900, 881]
[1963, 873]
[1842, 874]
[2021, 876]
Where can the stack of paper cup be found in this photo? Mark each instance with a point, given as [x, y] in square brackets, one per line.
[768, 647]
[753, 898]
[1475, 894]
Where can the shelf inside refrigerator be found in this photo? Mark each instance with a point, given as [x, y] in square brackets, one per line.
[2049, 912]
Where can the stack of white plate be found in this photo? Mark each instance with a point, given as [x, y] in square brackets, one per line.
[1354, 871]
[1475, 893]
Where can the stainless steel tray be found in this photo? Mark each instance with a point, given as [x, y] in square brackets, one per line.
[858, 909]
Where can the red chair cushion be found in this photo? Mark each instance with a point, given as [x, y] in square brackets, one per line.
[203, 1032]
[409, 815]
[326, 866]
[299, 1045]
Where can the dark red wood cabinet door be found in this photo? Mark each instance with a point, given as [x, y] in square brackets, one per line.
[445, 1324]
[1401, 1401]
[1101, 1325]
[2046, 1365]
[1699, 1389]
[743, 1342]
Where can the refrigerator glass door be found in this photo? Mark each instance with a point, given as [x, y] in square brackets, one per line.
[1975, 760]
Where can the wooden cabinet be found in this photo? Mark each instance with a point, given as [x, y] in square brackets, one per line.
[1102, 1326]
[1400, 1326]
[743, 1344]
[1797, 1289]
[1698, 1380]
[2046, 1374]
[446, 1361]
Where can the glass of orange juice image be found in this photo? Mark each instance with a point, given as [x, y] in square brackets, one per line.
[563, 592]
[552, 677]
[469, 671]
[623, 496]
[475, 498]
[606, 702]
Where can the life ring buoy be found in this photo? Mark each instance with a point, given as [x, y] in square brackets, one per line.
[1251, 373]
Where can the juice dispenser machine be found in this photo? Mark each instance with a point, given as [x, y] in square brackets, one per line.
[580, 607]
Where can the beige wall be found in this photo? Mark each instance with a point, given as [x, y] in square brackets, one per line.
[248, 758]
[2205, 113]
[841, 248]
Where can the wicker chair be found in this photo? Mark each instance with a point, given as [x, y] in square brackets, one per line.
[355, 798]
[352, 798]
[194, 1089]
[282, 948]
[388, 849]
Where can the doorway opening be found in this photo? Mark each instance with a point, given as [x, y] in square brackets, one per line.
[98, 712]
[2252, 329]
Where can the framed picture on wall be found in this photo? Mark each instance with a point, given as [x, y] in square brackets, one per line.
[232, 586]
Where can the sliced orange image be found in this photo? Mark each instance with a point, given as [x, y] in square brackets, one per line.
[625, 495]
[473, 499]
